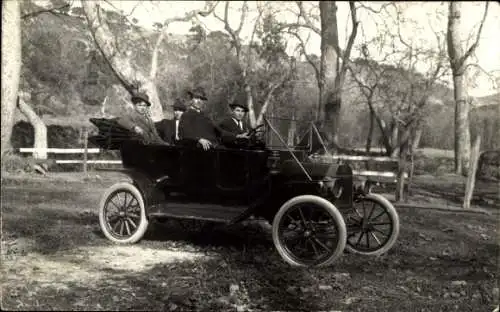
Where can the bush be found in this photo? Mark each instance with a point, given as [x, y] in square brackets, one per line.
[14, 163]
[489, 165]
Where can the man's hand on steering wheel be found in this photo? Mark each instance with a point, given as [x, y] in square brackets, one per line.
[253, 132]
[242, 136]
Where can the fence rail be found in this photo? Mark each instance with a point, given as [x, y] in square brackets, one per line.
[71, 161]
[60, 150]
[370, 173]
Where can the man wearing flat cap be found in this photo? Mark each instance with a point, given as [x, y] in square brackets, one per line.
[195, 126]
[139, 120]
[168, 128]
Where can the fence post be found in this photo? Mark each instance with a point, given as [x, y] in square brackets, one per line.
[471, 176]
[410, 175]
[85, 149]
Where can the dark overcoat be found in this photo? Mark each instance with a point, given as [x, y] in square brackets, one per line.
[166, 130]
[229, 124]
[134, 118]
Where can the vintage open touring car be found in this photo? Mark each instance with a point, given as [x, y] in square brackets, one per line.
[316, 209]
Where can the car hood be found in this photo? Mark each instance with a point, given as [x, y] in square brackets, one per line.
[317, 170]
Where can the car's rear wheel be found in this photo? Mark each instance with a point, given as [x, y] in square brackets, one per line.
[122, 214]
[309, 231]
[373, 227]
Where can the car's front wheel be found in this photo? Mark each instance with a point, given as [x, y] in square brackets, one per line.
[373, 226]
[309, 231]
[122, 214]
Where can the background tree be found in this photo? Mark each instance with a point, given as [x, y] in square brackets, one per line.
[458, 63]
[11, 67]
[130, 75]
[333, 61]
[246, 56]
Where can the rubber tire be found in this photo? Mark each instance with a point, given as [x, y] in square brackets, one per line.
[143, 225]
[331, 209]
[393, 214]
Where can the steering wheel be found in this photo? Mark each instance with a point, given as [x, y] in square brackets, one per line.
[252, 140]
[253, 132]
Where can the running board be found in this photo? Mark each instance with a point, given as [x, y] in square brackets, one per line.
[196, 211]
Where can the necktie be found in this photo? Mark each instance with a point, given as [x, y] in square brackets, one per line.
[241, 125]
[177, 130]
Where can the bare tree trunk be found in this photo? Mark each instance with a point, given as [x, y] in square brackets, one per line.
[395, 134]
[458, 59]
[11, 68]
[119, 63]
[40, 129]
[471, 177]
[462, 130]
[251, 110]
[370, 130]
[403, 155]
[386, 141]
[417, 138]
[263, 109]
[329, 107]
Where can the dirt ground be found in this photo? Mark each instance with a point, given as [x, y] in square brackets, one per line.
[54, 257]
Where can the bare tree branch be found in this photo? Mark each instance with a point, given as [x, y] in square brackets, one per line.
[306, 17]
[249, 50]
[242, 18]
[306, 55]
[347, 54]
[368, 8]
[474, 46]
[124, 15]
[308, 24]
[234, 34]
[49, 10]
[273, 87]
[209, 8]
[399, 22]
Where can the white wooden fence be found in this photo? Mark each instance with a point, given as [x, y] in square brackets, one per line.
[85, 161]
[368, 173]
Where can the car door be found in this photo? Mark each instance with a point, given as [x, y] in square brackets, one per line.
[231, 172]
[197, 170]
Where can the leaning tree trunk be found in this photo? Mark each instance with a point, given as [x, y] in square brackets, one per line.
[416, 139]
[119, 63]
[40, 144]
[251, 110]
[329, 107]
[11, 68]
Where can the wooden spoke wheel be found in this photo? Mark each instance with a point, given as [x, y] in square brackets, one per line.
[309, 231]
[122, 214]
[373, 226]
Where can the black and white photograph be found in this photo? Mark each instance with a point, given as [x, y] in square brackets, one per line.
[250, 156]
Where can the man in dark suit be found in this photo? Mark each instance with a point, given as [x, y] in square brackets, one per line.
[139, 120]
[235, 124]
[169, 128]
[195, 126]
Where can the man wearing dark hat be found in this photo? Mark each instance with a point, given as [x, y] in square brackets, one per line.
[169, 129]
[139, 120]
[235, 124]
[195, 126]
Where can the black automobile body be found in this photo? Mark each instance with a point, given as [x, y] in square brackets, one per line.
[315, 208]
